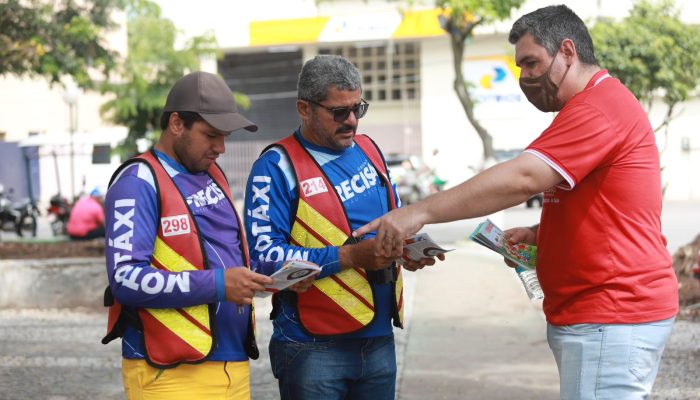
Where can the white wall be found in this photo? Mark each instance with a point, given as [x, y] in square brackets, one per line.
[514, 125]
[681, 168]
[32, 105]
[443, 123]
[55, 161]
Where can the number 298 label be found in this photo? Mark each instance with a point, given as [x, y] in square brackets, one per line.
[175, 225]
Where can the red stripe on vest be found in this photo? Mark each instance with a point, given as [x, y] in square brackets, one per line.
[349, 289]
[362, 272]
[338, 320]
[313, 233]
[164, 353]
[157, 264]
[193, 321]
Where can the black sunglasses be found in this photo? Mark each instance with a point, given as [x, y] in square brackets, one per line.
[340, 114]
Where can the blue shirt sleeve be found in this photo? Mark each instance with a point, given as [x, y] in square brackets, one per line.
[131, 226]
[269, 211]
[220, 281]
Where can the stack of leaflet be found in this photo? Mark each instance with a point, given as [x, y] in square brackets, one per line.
[524, 255]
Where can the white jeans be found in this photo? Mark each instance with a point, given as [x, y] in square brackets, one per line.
[607, 361]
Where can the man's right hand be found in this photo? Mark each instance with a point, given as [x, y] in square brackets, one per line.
[242, 283]
[519, 235]
[363, 255]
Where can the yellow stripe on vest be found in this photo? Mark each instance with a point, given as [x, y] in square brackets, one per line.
[351, 304]
[186, 330]
[169, 258]
[350, 277]
[305, 238]
[322, 226]
[332, 289]
[176, 322]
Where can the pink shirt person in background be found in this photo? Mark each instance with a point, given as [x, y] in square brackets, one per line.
[87, 218]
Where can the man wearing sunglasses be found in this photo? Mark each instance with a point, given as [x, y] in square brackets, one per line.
[305, 195]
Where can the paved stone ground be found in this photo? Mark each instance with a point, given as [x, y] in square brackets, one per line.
[679, 375]
[57, 355]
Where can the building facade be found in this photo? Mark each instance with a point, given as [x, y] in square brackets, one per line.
[407, 67]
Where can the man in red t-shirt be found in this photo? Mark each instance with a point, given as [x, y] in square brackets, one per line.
[611, 294]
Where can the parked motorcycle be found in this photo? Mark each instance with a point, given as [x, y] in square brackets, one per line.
[59, 208]
[18, 217]
[412, 180]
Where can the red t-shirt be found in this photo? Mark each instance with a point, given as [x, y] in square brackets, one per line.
[601, 255]
[87, 214]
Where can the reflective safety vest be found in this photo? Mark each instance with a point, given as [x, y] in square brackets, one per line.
[176, 335]
[342, 303]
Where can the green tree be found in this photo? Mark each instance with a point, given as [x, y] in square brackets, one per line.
[152, 66]
[459, 19]
[654, 54]
[56, 38]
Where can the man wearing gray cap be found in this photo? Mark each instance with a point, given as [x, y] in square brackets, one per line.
[180, 279]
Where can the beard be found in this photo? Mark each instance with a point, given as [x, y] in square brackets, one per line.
[181, 148]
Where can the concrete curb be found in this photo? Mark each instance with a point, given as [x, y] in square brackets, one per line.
[52, 283]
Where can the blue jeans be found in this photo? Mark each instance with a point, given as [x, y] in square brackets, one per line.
[335, 369]
[608, 361]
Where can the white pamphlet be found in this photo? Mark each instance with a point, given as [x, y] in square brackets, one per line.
[421, 246]
[292, 271]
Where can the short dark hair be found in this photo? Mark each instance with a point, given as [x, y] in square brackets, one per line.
[188, 116]
[550, 26]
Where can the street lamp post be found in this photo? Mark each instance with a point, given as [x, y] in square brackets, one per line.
[70, 96]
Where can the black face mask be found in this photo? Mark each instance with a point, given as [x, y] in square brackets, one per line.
[542, 92]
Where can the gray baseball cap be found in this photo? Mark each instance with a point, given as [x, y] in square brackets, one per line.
[209, 96]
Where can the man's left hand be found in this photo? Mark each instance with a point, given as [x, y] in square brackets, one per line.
[412, 265]
[363, 255]
[303, 285]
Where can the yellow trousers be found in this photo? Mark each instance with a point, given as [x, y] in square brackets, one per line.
[209, 380]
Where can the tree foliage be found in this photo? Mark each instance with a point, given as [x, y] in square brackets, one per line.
[459, 19]
[653, 53]
[152, 66]
[56, 38]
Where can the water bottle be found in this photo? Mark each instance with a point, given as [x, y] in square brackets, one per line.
[532, 285]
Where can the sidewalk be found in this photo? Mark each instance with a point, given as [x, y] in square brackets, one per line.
[474, 334]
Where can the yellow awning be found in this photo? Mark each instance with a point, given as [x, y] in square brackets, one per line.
[286, 31]
[413, 24]
[417, 24]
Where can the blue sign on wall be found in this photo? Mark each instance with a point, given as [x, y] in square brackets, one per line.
[20, 170]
